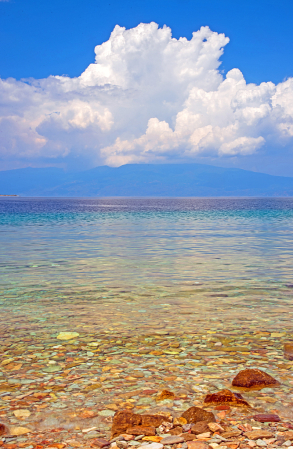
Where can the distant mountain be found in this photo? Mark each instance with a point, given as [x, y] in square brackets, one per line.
[144, 180]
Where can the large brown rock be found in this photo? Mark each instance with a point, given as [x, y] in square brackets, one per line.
[254, 378]
[196, 414]
[288, 351]
[226, 397]
[125, 420]
[200, 427]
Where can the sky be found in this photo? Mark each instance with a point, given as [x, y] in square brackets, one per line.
[87, 83]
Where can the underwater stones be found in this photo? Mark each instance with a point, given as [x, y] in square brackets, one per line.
[141, 430]
[200, 427]
[226, 397]
[288, 351]
[165, 394]
[21, 413]
[17, 431]
[67, 335]
[254, 378]
[266, 417]
[196, 414]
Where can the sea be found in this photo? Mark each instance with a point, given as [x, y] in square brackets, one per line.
[136, 282]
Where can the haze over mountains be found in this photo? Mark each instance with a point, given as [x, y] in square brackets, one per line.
[144, 180]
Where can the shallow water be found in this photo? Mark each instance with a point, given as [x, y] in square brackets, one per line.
[184, 284]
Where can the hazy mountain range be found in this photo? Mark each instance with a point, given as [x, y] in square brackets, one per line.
[144, 180]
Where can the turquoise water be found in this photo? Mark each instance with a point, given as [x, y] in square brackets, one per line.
[150, 257]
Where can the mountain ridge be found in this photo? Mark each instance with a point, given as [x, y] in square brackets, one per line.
[143, 180]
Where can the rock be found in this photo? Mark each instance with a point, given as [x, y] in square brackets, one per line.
[17, 431]
[258, 434]
[186, 427]
[22, 413]
[226, 397]
[100, 442]
[188, 436]
[141, 430]
[231, 434]
[215, 427]
[176, 431]
[123, 420]
[254, 378]
[204, 435]
[172, 440]
[200, 427]
[266, 417]
[261, 443]
[289, 435]
[288, 351]
[196, 414]
[155, 439]
[152, 446]
[165, 394]
[197, 445]
[67, 335]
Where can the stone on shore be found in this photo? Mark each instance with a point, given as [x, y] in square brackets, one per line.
[266, 417]
[226, 397]
[200, 427]
[258, 434]
[152, 446]
[254, 378]
[196, 414]
[197, 445]
[172, 440]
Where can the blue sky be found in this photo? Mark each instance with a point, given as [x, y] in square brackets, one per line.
[40, 39]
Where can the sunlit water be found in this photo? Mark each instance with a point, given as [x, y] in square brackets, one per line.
[137, 265]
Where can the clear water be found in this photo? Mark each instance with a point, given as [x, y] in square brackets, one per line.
[137, 265]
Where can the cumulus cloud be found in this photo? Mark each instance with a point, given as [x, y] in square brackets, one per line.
[147, 98]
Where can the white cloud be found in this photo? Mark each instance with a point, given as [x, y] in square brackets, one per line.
[148, 97]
